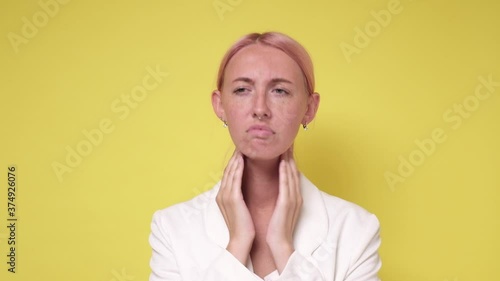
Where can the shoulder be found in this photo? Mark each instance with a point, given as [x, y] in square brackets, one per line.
[349, 217]
[336, 208]
[342, 215]
[340, 207]
[344, 218]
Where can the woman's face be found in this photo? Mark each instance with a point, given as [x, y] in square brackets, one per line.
[264, 101]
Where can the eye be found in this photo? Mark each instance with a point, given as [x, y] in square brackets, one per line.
[281, 91]
[239, 90]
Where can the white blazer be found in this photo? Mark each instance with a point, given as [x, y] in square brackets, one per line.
[334, 240]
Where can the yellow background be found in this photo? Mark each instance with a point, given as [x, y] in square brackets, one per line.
[441, 223]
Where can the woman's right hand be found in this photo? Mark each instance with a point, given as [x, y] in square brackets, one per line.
[234, 209]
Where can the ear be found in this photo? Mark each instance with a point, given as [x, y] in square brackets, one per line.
[217, 104]
[312, 108]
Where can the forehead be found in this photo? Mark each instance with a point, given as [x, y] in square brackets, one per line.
[260, 62]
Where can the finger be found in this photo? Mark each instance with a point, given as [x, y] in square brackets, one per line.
[232, 170]
[293, 167]
[227, 170]
[295, 174]
[289, 179]
[297, 196]
[284, 180]
[226, 185]
[291, 183]
[237, 175]
[226, 191]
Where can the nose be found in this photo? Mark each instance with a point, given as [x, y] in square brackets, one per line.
[261, 108]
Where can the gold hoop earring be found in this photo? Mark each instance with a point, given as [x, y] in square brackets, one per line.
[305, 126]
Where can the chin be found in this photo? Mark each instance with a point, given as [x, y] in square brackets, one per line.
[260, 157]
[263, 153]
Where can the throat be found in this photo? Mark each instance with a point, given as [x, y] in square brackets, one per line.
[261, 256]
[260, 185]
[260, 188]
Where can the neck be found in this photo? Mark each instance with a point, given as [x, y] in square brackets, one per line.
[260, 183]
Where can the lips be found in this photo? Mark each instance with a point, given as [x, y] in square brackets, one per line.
[260, 131]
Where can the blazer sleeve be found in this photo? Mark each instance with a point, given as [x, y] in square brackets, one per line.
[164, 265]
[365, 262]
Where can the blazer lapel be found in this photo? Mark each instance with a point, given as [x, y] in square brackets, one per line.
[215, 225]
[312, 225]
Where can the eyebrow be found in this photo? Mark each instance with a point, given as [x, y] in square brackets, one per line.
[273, 81]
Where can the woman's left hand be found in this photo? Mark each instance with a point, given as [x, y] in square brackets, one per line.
[286, 212]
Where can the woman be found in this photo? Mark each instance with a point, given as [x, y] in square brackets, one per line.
[265, 220]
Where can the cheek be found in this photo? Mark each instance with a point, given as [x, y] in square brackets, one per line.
[236, 114]
[291, 113]
[289, 119]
